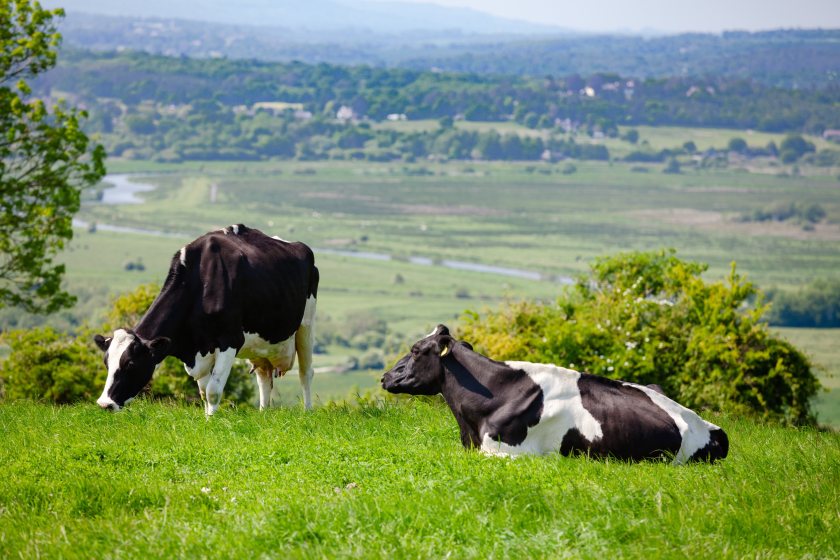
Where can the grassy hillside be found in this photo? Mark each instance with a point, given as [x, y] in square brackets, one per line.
[158, 480]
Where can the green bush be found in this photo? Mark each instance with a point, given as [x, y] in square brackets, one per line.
[44, 364]
[651, 318]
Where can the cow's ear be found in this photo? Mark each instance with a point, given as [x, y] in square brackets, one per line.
[102, 342]
[159, 347]
[445, 345]
[442, 330]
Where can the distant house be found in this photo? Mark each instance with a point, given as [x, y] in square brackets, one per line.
[397, 117]
[832, 134]
[345, 113]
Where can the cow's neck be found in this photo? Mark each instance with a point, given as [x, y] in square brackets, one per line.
[165, 317]
[470, 389]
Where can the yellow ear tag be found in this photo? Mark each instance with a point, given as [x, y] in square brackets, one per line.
[444, 352]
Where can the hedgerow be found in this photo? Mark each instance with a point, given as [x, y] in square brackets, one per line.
[649, 317]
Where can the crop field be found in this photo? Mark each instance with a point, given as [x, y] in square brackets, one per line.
[389, 480]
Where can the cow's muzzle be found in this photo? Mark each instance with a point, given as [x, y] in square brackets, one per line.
[106, 403]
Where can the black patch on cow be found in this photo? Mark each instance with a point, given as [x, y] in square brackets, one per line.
[574, 443]
[717, 448]
[489, 397]
[633, 426]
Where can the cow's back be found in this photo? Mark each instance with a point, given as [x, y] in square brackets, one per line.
[245, 281]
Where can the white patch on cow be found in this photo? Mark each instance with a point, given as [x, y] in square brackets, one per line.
[184, 256]
[309, 312]
[694, 430]
[119, 343]
[235, 229]
[431, 334]
[562, 410]
[278, 238]
[202, 365]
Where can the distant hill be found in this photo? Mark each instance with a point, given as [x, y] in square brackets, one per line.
[781, 58]
[317, 15]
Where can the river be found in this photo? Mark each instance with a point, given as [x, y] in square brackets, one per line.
[124, 190]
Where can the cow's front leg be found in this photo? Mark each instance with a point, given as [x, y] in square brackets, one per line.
[215, 384]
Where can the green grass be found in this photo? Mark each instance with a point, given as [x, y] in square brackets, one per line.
[158, 480]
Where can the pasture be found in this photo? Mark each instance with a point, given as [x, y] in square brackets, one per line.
[389, 480]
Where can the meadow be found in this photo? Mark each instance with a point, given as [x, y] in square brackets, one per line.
[389, 480]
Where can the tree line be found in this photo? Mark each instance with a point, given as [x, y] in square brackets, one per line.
[600, 100]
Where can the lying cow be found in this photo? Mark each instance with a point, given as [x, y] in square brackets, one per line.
[513, 408]
[230, 293]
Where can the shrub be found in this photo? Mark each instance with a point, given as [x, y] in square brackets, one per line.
[651, 318]
[44, 364]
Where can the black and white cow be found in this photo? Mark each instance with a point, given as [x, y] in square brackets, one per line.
[230, 293]
[513, 408]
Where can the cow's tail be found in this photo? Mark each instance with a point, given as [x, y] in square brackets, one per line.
[716, 449]
[314, 278]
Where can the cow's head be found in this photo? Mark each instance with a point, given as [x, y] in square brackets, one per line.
[130, 361]
[420, 372]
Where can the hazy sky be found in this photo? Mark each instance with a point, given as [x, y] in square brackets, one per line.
[663, 15]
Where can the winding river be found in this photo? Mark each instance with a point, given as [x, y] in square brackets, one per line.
[124, 190]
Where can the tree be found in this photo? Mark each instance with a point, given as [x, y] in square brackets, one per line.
[738, 145]
[45, 161]
[673, 166]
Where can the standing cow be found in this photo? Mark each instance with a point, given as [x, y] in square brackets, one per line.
[513, 408]
[230, 293]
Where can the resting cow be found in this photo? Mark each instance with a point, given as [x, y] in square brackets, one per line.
[230, 293]
[513, 408]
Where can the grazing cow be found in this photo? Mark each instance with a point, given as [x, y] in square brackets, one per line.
[513, 408]
[230, 293]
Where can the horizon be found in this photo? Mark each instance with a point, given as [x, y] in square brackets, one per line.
[655, 16]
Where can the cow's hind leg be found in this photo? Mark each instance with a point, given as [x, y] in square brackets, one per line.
[304, 343]
[217, 380]
[265, 381]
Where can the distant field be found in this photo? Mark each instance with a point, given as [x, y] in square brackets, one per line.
[158, 480]
[650, 137]
[509, 215]
[823, 346]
